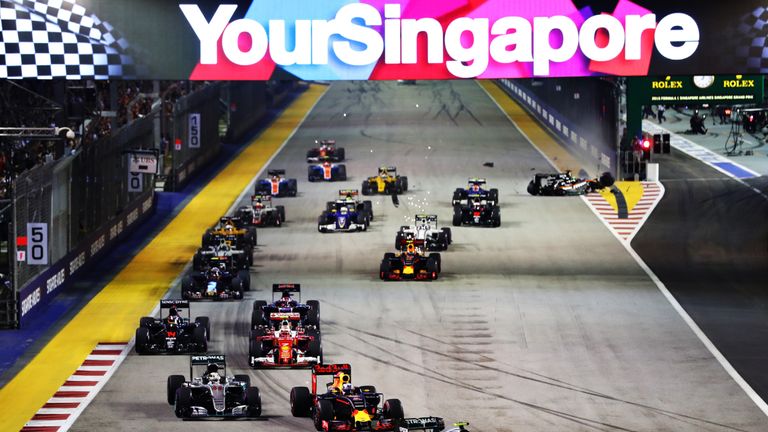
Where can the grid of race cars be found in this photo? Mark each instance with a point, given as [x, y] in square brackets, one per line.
[285, 331]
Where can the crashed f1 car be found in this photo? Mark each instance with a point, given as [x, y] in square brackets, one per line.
[344, 407]
[564, 184]
[212, 393]
[172, 332]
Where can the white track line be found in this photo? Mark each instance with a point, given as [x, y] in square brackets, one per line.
[750, 392]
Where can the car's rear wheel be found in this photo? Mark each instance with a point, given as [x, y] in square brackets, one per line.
[313, 314]
[142, 340]
[393, 409]
[301, 402]
[205, 323]
[244, 379]
[200, 339]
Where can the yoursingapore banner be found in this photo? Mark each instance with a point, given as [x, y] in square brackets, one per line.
[375, 39]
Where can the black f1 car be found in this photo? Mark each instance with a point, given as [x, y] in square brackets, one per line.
[212, 393]
[276, 185]
[327, 171]
[309, 313]
[477, 212]
[410, 264]
[475, 190]
[424, 233]
[344, 407]
[564, 184]
[261, 212]
[222, 256]
[216, 284]
[173, 333]
[326, 150]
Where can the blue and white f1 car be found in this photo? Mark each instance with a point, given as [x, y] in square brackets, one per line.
[343, 216]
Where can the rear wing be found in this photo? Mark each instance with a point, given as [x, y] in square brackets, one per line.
[276, 172]
[343, 193]
[432, 219]
[207, 359]
[476, 180]
[174, 304]
[429, 424]
[329, 369]
[261, 198]
[286, 289]
[330, 142]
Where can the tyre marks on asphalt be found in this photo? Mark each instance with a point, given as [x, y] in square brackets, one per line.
[79, 389]
[626, 228]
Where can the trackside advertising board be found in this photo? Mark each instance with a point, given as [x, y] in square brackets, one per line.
[377, 39]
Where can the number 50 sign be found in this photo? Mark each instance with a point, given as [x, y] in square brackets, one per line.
[37, 244]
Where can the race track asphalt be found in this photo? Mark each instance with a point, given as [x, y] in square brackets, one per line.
[543, 324]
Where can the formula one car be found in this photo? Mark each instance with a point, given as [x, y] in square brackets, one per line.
[410, 264]
[424, 233]
[477, 212]
[215, 284]
[352, 196]
[474, 190]
[223, 256]
[344, 407]
[234, 232]
[261, 212]
[172, 333]
[385, 182]
[309, 313]
[212, 393]
[290, 345]
[564, 184]
[276, 185]
[326, 151]
[327, 171]
[343, 216]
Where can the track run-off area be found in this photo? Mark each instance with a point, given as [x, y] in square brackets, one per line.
[546, 323]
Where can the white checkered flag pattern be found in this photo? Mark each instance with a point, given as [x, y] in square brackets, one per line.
[59, 39]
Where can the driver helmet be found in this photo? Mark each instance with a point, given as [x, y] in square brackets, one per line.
[214, 273]
[340, 379]
[173, 316]
[229, 227]
[383, 171]
[285, 300]
[410, 248]
[214, 378]
[344, 210]
[347, 388]
[258, 205]
[285, 327]
[475, 187]
[476, 202]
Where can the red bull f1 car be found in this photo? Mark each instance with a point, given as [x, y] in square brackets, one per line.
[212, 393]
[327, 171]
[172, 332]
[410, 264]
[326, 150]
[564, 184]
[340, 406]
[276, 185]
[261, 212]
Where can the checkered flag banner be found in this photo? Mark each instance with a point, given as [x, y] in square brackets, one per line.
[59, 39]
[747, 44]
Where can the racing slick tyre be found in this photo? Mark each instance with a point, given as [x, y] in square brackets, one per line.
[199, 338]
[251, 237]
[174, 383]
[533, 188]
[313, 314]
[245, 276]
[393, 409]
[314, 349]
[433, 268]
[342, 173]
[323, 412]
[368, 207]
[253, 401]
[607, 180]
[458, 195]
[146, 322]
[237, 287]
[389, 256]
[398, 240]
[340, 154]
[207, 238]
[257, 316]
[301, 402]
[448, 235]
[205, 322]
[183, 402]
[366, 188]
[280, 215]
[436, 257]
[495, 217]
[142, 340]
[403, 184]
[384, 270]
[187, 285]
[254, 347]
[311, 174]
[493, 195]
[244, 378]
[198, 262]
[292, 188]
[456, 217]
